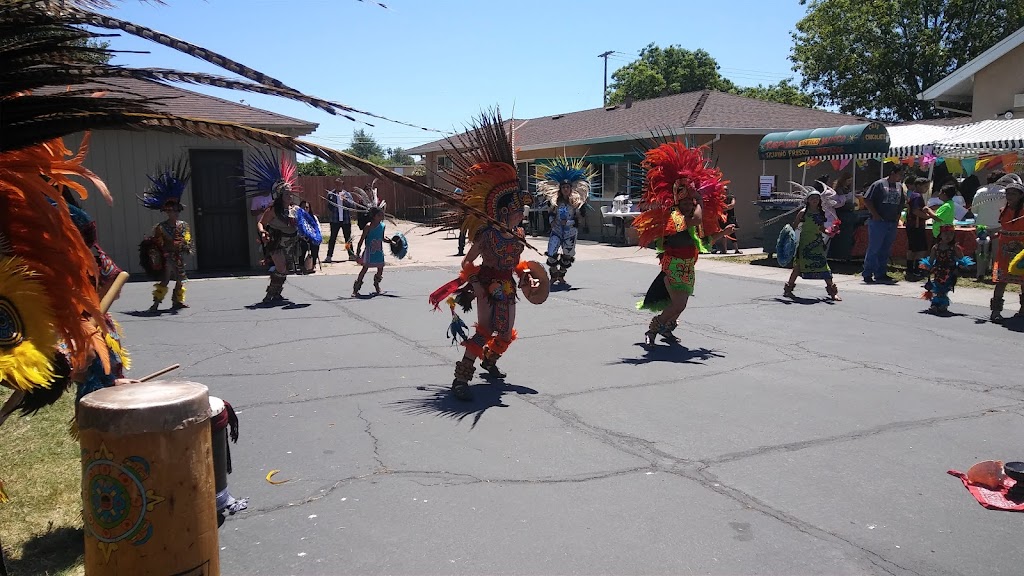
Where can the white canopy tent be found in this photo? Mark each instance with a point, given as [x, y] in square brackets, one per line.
[985, 137]
[905, 140]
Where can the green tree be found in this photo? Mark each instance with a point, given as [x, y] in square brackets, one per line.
[317, 167]
[398, 157]
[874, 58]
[785, 92]
[665, 71]
[365, 146]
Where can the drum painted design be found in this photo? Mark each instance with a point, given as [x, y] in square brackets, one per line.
[116, 500]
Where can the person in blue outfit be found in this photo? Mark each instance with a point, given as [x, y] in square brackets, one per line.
[373, 237]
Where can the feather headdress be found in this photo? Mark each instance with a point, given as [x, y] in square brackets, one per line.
[484, 167]
[551, 174]
[800, 193]
[671, 170]
[271, 174]
[167, 186]
[38, 231]
[368, 201]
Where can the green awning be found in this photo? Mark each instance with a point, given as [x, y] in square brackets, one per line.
[870, 138]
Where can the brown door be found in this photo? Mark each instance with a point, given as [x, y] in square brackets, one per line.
[221, 228]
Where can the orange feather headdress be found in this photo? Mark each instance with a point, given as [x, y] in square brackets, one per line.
[485, 169]
[38, 234]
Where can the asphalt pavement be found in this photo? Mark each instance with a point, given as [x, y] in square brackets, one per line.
[779, 437]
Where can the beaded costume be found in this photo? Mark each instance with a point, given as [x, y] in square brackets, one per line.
[163, 253]
[566, 209]
[484, 168]
[674, 173]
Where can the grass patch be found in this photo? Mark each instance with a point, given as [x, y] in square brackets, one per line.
[855, 268]
[41, 526]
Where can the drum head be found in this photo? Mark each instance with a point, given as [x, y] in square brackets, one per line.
[216, 406]
[539, 294]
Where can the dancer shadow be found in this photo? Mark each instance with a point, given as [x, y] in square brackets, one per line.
[1013, 323]
[802, 301]
[51, 552]
[148, 314]
[282, 304]
[941, 314]
[674, 353]
[441, 402]
[369, 296]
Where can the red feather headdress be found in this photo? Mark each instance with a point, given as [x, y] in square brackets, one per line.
[673, 169]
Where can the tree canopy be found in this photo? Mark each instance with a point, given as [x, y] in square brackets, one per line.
[398, 157]
[874, 58]
[364, 145]
[785, 92]
[674, 70]
[665, 71]
[317, 167]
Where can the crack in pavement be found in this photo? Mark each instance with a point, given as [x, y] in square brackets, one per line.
[661, 461]
[381, 468]
[444, 479]
[241, 407]
[686, 379]
[711, 482]
[856, 435]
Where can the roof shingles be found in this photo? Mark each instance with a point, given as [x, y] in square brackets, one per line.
[707, 110]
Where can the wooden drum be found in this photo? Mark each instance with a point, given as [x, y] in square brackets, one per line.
[148, 494]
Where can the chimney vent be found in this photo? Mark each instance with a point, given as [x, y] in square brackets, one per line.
[629, 102]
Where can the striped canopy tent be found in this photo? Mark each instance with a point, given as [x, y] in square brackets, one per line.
[906, 140]
[985, 137]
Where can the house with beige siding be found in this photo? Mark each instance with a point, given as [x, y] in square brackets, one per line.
[215, 206]
[609, 138]
[988, 87]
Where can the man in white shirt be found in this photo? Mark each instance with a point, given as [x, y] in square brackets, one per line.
[340, 218]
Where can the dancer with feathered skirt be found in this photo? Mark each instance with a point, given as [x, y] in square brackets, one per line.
[684, 203]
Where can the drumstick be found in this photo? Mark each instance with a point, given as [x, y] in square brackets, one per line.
[160, 372]
[114, 290]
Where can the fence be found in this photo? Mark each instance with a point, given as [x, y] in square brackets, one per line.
[403, 202]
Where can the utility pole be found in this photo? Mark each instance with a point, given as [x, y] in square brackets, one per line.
[604, 95]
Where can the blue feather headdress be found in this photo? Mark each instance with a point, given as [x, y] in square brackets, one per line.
[551, 174]
[167, 186]
[270, 175]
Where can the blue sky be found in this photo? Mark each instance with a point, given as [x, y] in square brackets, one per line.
[436, 63]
